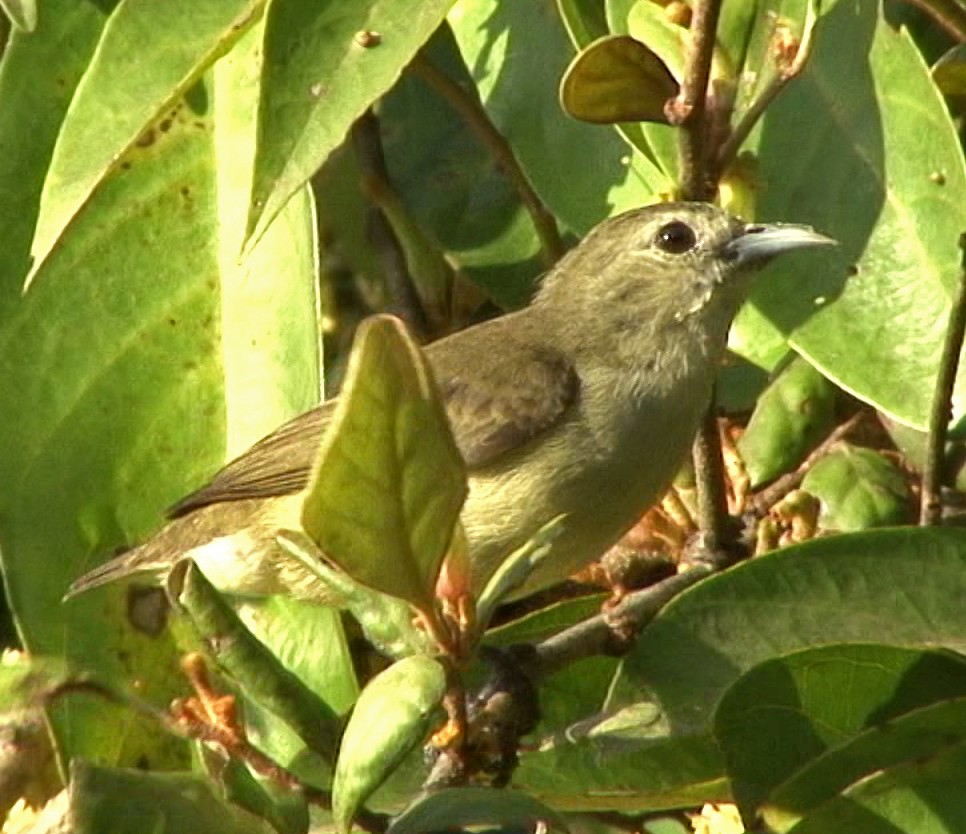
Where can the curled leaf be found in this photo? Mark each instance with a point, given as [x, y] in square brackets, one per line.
[617, 79]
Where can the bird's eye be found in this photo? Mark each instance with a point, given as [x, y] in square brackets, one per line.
[676, 238]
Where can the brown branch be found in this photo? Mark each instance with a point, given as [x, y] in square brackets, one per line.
[689, 110]
[597, 636]
[474, 114]
[377, 188]
[930, 506]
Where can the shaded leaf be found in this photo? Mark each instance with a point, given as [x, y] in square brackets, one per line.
[920, 797]
[787, 712]
[795, 411]
[391, 717]
[858, 488]
[908, 738]
[616, 78]
[390, 481]
[518, 82]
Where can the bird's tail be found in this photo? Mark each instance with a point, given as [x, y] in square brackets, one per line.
[124, 564]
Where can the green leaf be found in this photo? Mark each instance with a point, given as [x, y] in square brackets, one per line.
[858, 488]
[788, 600]
[908, 738]
[252, 665]
[386, 621]
[451, 188]
[122, 104]
[391, 717]
[919, 797]
[841, 149]
[134, 801]
[795, 411]
[516, 568]
[787, 712]
[143, 356]
[460, 807]
[617, 79]
[390, 481]
[321, 72]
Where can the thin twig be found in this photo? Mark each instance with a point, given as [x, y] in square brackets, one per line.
[764, 500]
[712, 497]
[949, 14]
[930, 506]
[472, 111]
[689, 110]
[376, 185]
[729, 149]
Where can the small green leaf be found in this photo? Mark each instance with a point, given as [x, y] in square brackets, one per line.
[390, 481]
[617, 79]
[451, 808]
[515, 569]
[859, 489]
[792, 415]
[253, 666]
[391, 717]
[386, 621]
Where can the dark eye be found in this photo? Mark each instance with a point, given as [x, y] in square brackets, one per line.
[676, 238]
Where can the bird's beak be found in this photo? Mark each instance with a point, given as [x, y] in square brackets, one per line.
[760, 242]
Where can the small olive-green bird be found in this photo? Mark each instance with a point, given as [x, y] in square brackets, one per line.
[585, 404]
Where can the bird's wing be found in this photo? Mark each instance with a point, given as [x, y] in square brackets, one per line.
[493, 405]
[495, 411]
[279, 464]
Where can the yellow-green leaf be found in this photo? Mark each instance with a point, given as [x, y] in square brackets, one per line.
[391, 717]
[390, 481]
[617, 79]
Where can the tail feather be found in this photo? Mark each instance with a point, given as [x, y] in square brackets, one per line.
[127, 563]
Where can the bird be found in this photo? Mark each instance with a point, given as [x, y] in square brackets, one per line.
[582, 404]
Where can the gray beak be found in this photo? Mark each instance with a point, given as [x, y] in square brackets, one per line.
[760, 242]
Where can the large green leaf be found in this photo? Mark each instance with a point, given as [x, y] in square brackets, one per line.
[59, 49]
[143, 355]
[120, 103]
[321, 71]
[788, 712]
[843, 149]
[835, 590]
